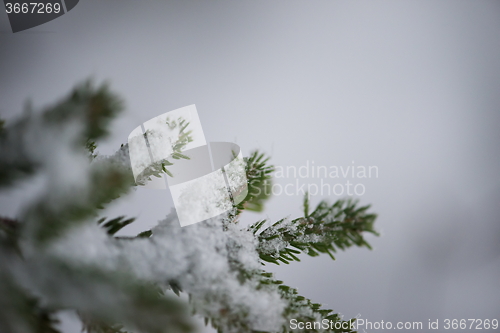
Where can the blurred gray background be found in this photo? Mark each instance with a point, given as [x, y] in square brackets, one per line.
[409, 86]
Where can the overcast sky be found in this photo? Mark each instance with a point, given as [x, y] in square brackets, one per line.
[411, 87]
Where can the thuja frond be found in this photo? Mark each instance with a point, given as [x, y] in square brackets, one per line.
[327, 229]
[259, 176]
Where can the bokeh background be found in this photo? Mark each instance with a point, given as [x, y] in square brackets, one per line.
[409, 86]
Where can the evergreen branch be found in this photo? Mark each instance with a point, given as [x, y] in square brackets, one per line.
[306, 205]
[48, 222]
[20, 307]
[107, 298]
[158, 168]
[145, 234]
[15, 162]
[91, 146]
[97, 106]
[303, 309]
[297, 307]
[86, 284]
[114, 225]
[222, 273]
[9, 235]
[90, 107]
[259, 176]
[75, 122]
[327, 229]
[97, 326]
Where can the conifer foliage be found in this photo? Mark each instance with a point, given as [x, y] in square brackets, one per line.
[62, 253]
